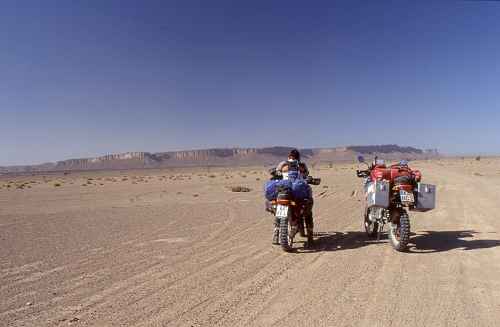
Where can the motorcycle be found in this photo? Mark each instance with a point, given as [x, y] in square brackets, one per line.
[287, 210]
[389, 192]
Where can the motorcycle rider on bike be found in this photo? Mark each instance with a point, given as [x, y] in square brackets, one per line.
[294, 158]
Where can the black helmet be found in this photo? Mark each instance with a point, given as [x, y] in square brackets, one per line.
[294, 154]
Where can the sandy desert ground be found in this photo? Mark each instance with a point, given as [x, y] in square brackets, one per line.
[178, 248]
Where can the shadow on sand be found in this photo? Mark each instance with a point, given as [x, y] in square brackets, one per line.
[423, 242]
[430, 242]
[336, 241]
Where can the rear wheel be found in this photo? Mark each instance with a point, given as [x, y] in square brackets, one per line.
[399, 232]
[286, 234]
[371, 227]
[276, 231]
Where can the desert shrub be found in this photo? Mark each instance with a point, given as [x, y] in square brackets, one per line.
[57, 184]
[240, 189]
[478, 158]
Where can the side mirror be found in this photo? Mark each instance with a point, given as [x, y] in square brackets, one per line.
[361, 159]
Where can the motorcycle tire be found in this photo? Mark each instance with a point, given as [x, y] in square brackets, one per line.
[399, 233]
[286, 241]
[371, 227]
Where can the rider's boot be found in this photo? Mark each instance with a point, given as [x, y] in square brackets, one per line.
[310, 230]
[310, 236]
[302, 232]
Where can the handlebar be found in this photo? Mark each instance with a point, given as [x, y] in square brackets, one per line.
[277, 175]
[363, 173]
[313, 181]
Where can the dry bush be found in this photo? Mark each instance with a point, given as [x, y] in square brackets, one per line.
[240, 189]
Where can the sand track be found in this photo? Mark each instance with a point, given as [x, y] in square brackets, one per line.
[187, 252]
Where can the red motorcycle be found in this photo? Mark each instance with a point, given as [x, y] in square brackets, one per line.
[389, 192]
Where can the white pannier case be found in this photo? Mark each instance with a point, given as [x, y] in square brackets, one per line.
[425, 197]
[377, 194]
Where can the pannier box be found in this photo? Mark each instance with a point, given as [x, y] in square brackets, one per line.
[377, 194]
[425, 197]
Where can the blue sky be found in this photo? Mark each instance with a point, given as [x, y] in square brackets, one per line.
[96, 77]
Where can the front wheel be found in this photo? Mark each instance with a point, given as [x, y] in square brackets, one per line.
[286, 234]
[371, 227]
[399, 232]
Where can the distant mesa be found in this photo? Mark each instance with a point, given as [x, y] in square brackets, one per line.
[224, 157]
[390, 148]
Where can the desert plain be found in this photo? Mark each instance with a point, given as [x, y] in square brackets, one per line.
[177, 247]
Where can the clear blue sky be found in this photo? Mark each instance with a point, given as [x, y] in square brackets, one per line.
[96, 77]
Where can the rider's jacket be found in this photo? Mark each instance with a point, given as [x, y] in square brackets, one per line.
[283, 166]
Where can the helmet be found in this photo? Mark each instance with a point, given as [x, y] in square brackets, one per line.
[403, 163]
[294, 154]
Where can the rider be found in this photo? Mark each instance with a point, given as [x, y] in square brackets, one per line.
[294, 157]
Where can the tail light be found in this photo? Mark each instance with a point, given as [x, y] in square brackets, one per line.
[407, 188]
[285, 202]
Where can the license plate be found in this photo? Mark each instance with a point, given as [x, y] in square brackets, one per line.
[406, 196]
[281, 211]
